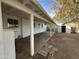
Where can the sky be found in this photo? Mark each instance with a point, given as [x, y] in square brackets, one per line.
[47, 5]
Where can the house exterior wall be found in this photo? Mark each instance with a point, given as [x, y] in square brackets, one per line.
[9, 44]
[5, 24]
[68, 29]
[1, 45]
[59, 29]
[39, 26]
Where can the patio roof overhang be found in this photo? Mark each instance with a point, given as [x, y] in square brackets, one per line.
[23, 8]
[41, 8]
[36, 7]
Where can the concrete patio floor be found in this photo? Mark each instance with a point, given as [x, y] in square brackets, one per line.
[23, 45]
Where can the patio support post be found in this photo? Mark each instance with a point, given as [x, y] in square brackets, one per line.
[54, 28]
[50, 30]
[1, 35]
[32, 35]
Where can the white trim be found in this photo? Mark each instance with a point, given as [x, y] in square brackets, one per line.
[1, 23]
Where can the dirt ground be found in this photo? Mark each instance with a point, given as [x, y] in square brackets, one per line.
[67, 44]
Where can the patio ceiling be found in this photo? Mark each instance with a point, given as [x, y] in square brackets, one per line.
[14, 12]
[17, 13]
[34, 5]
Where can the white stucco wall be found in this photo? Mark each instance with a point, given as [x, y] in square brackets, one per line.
[37, 27]
[1, 45]
[25, 26]
[59, 29]
[68, 29]
[9, 44]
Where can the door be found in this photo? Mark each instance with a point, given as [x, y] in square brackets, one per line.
[63, 29]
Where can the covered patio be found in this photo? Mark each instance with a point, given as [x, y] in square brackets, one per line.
[23, 45]
[22, 22]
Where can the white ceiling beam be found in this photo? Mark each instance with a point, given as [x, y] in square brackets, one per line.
[10, 10]
[16, 4]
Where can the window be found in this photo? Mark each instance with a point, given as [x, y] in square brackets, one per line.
[41, 25]
[12, 23]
